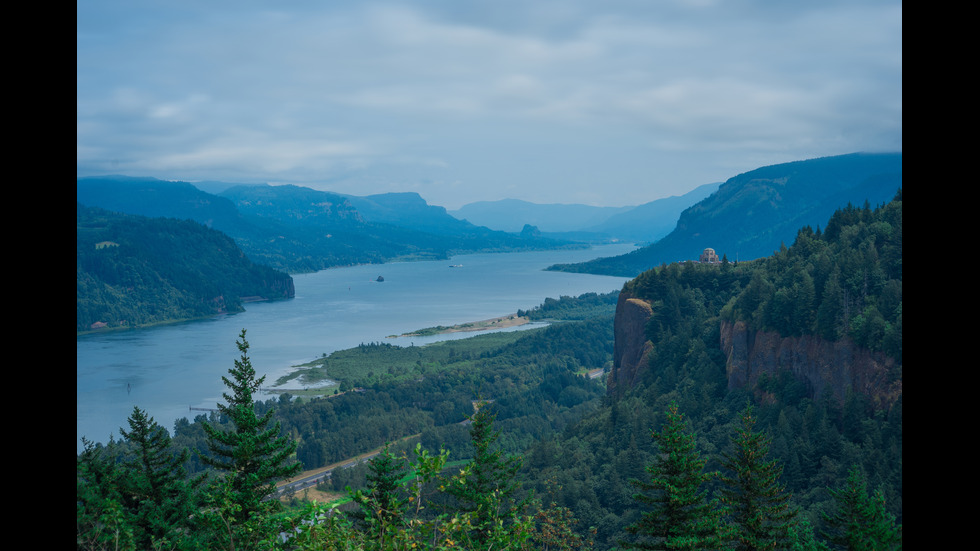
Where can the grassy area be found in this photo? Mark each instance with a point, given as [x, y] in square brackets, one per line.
[367, 364]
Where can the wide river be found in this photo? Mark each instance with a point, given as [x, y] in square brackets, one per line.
[169, 369]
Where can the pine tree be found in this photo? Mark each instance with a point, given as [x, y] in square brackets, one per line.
[156, 486]
[381, 505]
[254, 454]
[861, 522]
[487, 486]
[680, 515]
[758, 506]
[100, 520]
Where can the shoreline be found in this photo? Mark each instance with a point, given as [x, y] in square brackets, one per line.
[500, 322]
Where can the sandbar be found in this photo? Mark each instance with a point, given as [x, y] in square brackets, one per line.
[502, 322]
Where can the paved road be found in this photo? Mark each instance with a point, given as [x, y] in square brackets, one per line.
[315, 478]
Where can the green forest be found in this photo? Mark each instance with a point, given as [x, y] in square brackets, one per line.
[134, 271]
[513, 448]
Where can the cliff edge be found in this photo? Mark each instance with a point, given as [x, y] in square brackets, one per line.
[837, 367]
[632, 348]
[834, 366]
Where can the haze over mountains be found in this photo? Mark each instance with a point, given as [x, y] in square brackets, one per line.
[642, 223]
[298, 229]
[753, 214]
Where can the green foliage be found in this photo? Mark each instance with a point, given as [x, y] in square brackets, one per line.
[585, 306]
[679, 515]
[135, 494]
[254, 454]
[133, 271]
[757, 505]
[860, 522]
[100, 520]
[845, 282]
[297, 229]
[751, 214]
[574, 439]
[487, 486]
[156, 487]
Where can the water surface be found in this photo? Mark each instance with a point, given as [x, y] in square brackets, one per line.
[169, 369]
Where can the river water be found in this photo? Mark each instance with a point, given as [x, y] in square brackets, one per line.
[170, 369]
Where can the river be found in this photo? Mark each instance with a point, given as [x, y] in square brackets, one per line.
[167, 370]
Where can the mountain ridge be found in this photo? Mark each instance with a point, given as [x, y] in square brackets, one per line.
[298, 229]
[753, 213]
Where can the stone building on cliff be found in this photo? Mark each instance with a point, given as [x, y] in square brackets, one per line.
[708, 256]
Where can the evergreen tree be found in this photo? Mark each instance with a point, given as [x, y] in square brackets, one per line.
[861, 522]
[680, 515]
[757, 504]
[155, 487]
[381, 505]
[487, 487]
[100, 520]
[254, 454]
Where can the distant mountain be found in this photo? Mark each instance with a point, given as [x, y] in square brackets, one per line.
[643, 223]
[512, 214]
[297, 229]
[133, 271]
[753, 213]
[293, 205]
[651, 221]
[410, 210]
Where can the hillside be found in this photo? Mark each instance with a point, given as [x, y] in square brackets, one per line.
[133, 271]
[651, 221]
[297, 229]
[582, 446]
[753, 213]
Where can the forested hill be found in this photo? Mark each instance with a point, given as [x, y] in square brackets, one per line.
[841, 286]
[133, 271]
[297, 229]
[753, 213]
[770, 457]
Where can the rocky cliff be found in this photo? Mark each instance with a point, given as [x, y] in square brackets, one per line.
[836, 367]
[632, 348]
[825, 366]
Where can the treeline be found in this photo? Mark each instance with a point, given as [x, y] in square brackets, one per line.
[137, 494]
[430, 390]
[845, 281]
[581, 307]
[595, 461]
[817, 439]
[133, 271]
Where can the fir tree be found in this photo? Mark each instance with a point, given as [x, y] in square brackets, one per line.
[861, 522]
[381, 505]
[100, 520]
[680, 515]
[254, 454]
[757, 504]
[156, 486]
[488, 485]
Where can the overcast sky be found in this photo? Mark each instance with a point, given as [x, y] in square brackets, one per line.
[606, 103]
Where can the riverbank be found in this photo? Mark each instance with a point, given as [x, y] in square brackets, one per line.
[502, 322]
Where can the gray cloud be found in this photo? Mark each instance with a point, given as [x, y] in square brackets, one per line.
[607, 103]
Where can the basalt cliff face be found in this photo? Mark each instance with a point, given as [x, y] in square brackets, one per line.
[632, 348]
[836, 367]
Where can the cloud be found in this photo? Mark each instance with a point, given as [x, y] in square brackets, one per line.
[639, 100]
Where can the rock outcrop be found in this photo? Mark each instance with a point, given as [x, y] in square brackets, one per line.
[838, 366]
[632, 348]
